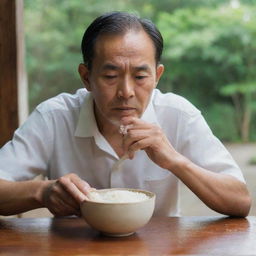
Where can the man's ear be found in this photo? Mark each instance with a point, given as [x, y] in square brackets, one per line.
[159, 72]
[84, 74]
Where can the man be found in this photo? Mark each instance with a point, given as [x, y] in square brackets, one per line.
[75, 140]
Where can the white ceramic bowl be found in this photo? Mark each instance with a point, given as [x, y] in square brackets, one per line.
[118, 219]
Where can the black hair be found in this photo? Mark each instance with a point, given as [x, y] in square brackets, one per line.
[118, 23]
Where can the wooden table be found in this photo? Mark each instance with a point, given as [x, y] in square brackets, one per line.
[161, 236]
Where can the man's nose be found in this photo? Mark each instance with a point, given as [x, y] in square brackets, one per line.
[126, 89]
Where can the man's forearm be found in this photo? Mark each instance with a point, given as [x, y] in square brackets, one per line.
[18, 197]
[222, 193]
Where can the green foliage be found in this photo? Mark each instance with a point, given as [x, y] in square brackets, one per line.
[243, 88]
[210, 60]
[252, 161]
[210, 42]
[209, 53]
[221, 115]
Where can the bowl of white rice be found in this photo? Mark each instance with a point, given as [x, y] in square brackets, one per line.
[118, 211]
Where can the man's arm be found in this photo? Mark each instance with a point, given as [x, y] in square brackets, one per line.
[28, 155]
[62, 197]
[18, 197]
[221, 192]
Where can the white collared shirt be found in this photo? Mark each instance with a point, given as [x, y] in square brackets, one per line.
[61, 136]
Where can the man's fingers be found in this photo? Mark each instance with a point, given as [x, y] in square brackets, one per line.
[65, 196]
[141, 144]
[60, 208]
[82, 185]
[60, 202]
[76, 193]
[130, 140]
[132, 123]
[77, 187]
[68, 209]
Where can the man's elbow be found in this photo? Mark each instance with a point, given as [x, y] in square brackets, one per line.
[246, 206]
[242, 208]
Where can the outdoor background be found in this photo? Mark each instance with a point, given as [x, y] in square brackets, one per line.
[209, 56]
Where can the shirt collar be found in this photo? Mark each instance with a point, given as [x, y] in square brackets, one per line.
[87, 126]
[149, 114]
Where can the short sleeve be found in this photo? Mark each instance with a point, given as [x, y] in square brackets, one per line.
[198, 143]
[28, 153]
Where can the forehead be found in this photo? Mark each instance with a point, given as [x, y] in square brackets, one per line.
[133, 45]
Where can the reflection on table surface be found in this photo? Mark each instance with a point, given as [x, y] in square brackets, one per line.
[161, 236]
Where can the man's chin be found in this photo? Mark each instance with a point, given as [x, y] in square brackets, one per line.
[118, 120]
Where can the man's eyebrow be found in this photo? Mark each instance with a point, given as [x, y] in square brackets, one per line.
[109, 66]
[142, 68]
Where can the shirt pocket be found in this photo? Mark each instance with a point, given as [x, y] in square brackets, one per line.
[166, 190]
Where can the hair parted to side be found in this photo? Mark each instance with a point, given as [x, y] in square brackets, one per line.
[118, 23]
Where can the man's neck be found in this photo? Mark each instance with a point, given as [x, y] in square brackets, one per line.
[105, 126]
[110, 131]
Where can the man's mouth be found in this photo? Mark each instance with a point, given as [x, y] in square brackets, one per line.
[125, 111]
[124, 108]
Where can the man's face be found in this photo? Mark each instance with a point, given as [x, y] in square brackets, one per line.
[122, 77]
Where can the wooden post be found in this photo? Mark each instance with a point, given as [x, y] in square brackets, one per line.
[12, 71]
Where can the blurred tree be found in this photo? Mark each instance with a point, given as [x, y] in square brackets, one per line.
[243, 95]
[209, 46]
[209, 51]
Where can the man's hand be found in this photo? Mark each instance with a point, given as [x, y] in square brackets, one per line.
[221, 192]
[149, 137]
[63, 196]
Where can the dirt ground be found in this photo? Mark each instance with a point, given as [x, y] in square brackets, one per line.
[242, 153]
[190, 204]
